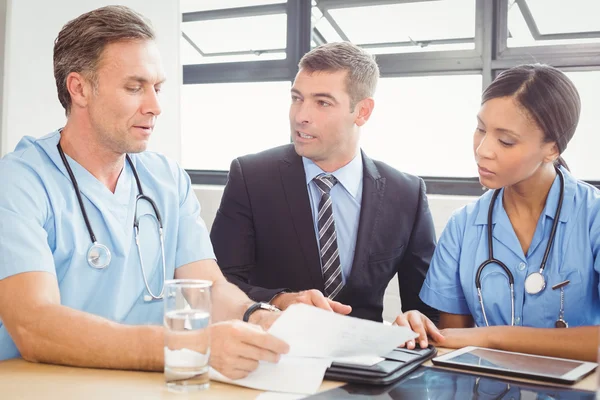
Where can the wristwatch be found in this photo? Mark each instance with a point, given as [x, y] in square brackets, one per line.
[258, 306]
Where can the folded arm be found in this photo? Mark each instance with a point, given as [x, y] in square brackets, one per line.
[48, 332]
[457, 331]
[579, 343]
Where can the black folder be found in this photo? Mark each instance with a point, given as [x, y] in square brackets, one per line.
[397, 364]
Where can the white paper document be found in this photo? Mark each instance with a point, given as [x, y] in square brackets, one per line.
[290, 374]
[316, 338]
[365, 361]
[313, 332]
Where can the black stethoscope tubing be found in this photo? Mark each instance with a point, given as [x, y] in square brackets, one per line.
[140, 196]
[492, 260]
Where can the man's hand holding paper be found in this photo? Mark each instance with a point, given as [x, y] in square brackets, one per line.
[313, 332]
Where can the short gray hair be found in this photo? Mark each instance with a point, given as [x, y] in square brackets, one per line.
[81, 41]
[362, 69]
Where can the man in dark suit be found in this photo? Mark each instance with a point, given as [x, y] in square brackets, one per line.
[317, 221]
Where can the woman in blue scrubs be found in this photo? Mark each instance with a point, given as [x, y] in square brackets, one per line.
[545, 231]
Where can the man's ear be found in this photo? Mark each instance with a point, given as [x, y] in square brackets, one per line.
[79, 88]
[365, 109]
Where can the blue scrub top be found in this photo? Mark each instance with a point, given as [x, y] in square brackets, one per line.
[463, 246]
[42, 229]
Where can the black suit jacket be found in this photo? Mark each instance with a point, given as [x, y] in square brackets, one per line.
[265, 242]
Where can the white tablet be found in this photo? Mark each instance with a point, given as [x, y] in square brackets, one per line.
[552, 369]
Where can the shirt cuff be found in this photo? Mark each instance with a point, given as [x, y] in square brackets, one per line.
[278, 293]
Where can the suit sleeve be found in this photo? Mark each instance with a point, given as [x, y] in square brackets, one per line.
[415, 263]
[233, 236]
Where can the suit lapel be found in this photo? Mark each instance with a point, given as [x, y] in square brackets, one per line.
[372, 201]
[293, 180]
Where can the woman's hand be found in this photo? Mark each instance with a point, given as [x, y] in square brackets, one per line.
[456, 338]
[421, 325]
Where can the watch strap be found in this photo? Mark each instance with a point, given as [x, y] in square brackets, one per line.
[258, 306]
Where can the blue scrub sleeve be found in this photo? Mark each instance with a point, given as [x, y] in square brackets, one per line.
[595, 241]
[442, 289]
[193, 241]
[24, 217]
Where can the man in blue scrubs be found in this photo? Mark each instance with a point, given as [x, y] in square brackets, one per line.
[58, 303]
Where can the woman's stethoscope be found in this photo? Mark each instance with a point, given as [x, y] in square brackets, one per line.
[535, 282]
[98, 255]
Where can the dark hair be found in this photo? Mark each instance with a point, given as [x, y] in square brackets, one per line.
[547, 95]
[81, 41]
[363, 71]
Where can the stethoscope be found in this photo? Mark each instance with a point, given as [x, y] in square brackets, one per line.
[535, 282]
[98, 255]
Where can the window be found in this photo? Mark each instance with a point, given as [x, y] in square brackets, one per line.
[582, 152]
[551, 22]
[223, 121]
[233, 34]
[435, 57]
[425, 125]
[399, 28]
[205, 5]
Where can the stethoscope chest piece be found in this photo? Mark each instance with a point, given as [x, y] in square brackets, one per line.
[535, 283]
[98, 256]
[561, 323]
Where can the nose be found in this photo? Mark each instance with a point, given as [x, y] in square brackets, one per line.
[300, 113]
[151, 103]
[483, 146]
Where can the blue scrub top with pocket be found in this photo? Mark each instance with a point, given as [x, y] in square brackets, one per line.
[463, 246]
[42, 229]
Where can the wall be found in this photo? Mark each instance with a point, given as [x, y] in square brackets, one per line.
[29, 102]
[441, 209]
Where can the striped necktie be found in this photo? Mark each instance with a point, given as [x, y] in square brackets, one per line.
[330, 259]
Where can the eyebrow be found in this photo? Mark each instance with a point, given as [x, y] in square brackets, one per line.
[502, 130]
[326, 95]
[143, 80]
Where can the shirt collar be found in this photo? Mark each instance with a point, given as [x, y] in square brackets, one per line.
[551, 201]
[554, 196]
[48, 143]
[350, 175]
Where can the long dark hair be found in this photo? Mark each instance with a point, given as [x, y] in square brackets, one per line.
[548, 96]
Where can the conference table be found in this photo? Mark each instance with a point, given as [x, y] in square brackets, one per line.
[20, 379]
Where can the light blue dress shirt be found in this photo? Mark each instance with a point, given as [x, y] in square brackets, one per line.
[346, 197]
[574, 256]
[42, 229]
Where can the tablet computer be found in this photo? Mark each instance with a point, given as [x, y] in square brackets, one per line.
[559, 370]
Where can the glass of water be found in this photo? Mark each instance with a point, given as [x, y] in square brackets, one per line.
[187, 341]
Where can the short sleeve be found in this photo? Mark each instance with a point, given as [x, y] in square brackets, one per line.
[594, 219]
[24, 218]
[442, 289]
[193, 240]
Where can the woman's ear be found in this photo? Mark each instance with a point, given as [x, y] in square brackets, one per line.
[552, 152]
